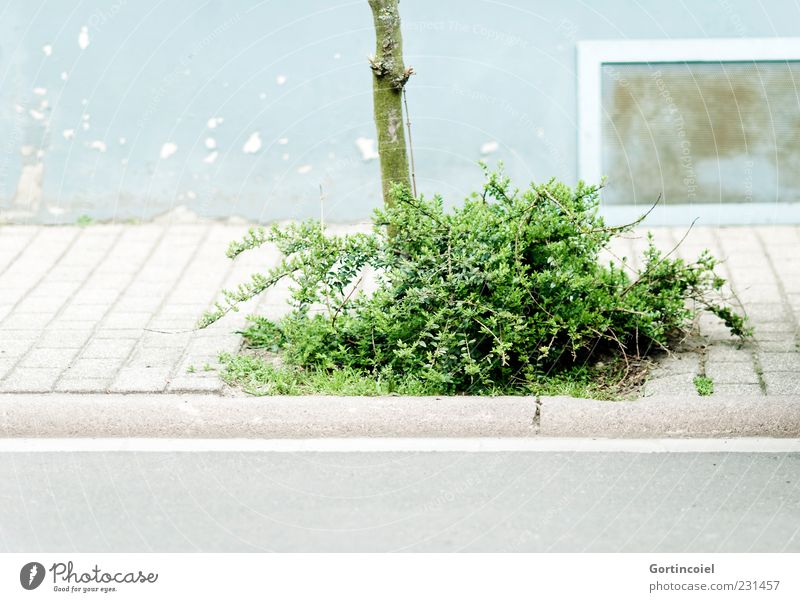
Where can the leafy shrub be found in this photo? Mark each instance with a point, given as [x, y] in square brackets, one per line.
[498, 294]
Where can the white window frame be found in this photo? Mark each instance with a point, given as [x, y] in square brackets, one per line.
[593, 54]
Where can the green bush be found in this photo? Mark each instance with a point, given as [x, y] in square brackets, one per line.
[499, 294]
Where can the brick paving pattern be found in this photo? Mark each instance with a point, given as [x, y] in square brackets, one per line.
[763, 273]
[112, 308]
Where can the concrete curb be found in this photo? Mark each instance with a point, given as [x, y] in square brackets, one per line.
[199, 416]
[263, 417]
[716, 416]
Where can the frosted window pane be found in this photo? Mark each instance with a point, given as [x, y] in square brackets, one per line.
[701, 132]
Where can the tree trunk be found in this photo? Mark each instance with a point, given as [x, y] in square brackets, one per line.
[389, 78]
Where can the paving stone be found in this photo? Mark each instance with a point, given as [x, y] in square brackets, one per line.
[95, 296]
[732, 373]
[784, 345]
[6, 365]
[188, 295]
[129, 303]
[773, 327]
[14, 348]
[63, 324]
[791, 284]
[742, 390]
[30, 380]
[117, 333]
[712, 326]
[5, 309]
[140, 380]
[108, 349]
[115, 281]
[674, 384]
[780, 362]
[64, 338]
[63, 273]
[679, 363]
[778, 334]
[172, 321]
[52, 357]
[198, 364]
[782, 383]
[195, 385]
[27, 320]
[164, 339]
[759, 313]
[793, 299]
[154, 356]
[93, 368]
[759, 294]
[38, 304]
[82, 385]
[91, 313]
[132, 320]
[220, 337]
[153, 290]
[720, 352]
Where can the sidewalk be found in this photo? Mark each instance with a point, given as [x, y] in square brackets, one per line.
[111, 308]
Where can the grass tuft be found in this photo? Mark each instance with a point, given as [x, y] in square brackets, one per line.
[260, 376]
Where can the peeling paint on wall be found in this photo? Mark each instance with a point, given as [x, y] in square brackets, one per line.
[168, 149]
[28, 195]
[368, 149]
[253, 144]
[174, 77]
[83, 38]
[488, 148]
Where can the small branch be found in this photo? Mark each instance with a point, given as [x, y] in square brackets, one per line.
[503, 360]
[321, 210]
[662, 260]
[639, 220]
[346, 299]
[410, 143]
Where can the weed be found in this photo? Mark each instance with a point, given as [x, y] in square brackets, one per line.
[703, 385]
[503, 294]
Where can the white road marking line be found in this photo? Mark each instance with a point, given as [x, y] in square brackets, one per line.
[543, 444]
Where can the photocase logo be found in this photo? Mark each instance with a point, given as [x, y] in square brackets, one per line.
[31, 575]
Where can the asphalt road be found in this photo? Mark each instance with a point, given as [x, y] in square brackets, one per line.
[399, 501]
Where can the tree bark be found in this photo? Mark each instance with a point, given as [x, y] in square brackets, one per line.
[389, 76]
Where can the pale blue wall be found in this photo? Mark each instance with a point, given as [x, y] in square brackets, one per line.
[156, 71]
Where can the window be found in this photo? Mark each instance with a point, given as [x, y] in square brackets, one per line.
[713, 126]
